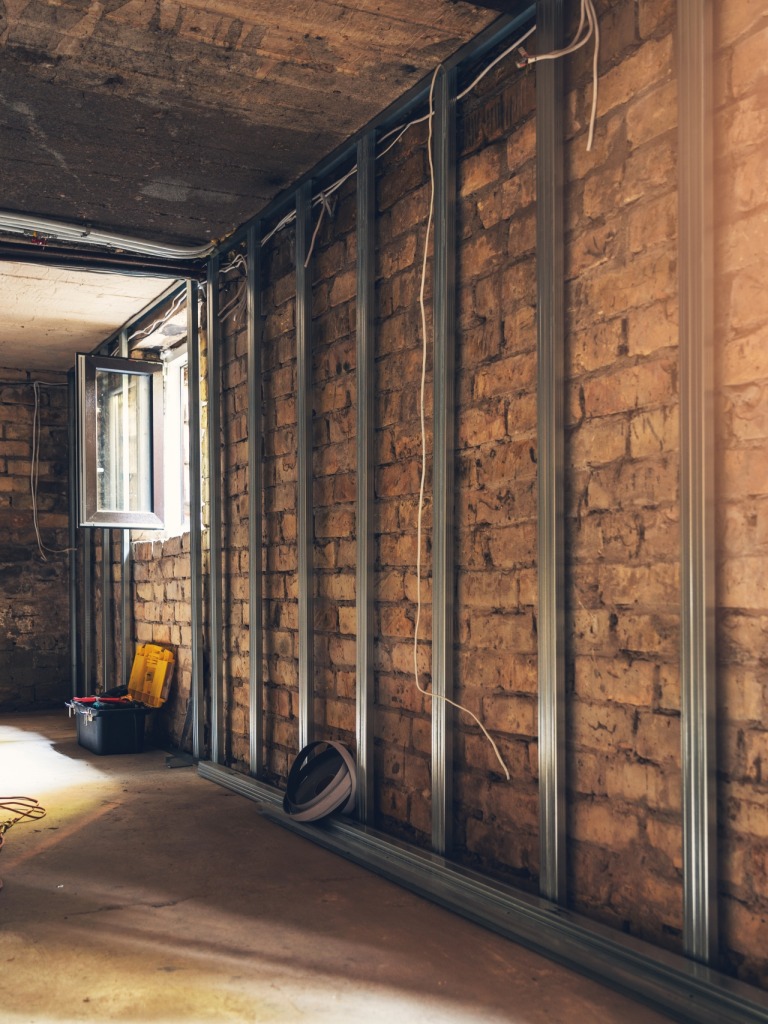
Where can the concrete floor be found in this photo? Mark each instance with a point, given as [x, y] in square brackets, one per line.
[149, 894]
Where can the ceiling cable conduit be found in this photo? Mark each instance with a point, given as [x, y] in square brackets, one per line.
[53, 230]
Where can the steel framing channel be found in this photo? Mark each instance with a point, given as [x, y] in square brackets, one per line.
[213, 352]
[366, 213]
[551, 331]
[443, 472]
[668, 982]
[195, 523]
[304, 448]
[87, 557]
[72, 531]
[126, 564]
[107, 626]
[87, 685]
[125, 571]
[255, 495]
[697, 663]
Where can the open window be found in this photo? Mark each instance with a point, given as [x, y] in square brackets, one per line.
[176, 441]
[121, 425]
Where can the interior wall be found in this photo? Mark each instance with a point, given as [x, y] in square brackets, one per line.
[621, 482]
[34, 586]
[622, 485]
[402, 719]
[496, 823]
[280, 474]
[234, 470]
[161, 591]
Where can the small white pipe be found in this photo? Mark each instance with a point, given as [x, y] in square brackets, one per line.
[25, 224]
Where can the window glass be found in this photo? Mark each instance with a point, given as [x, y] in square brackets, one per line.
[120, 409]
[123, 438]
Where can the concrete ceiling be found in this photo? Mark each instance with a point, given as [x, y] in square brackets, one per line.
[178, 121]
[49, 314]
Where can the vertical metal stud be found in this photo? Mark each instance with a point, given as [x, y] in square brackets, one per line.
[444, 444]
[72, 545]
[304, 447]
[366, 212]
[126, 564]
[106, 609]
[696, 275]
[87, 684]
[195, 524]
[125, 574]
[551, 332]
[255, 493]
[214, 509]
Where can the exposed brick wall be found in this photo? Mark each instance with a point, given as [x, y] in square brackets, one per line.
[622, 465]
[741, 297]
[334, 398]
[234, 495]
[622, 486]
[496, 822]
[281, 706]
[34, 594]
[402, 721]
[333, 460]
[161, 612]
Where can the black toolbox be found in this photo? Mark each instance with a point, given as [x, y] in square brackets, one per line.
[108, 725]
[111, 728]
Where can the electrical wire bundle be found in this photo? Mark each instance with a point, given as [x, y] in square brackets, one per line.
[588, 28]
[21, 809]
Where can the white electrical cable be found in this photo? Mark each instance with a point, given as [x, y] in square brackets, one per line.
[515, 46]
[325, 207]
[238, 304]
[588, 17]
[24, 224]
[595, 60]
[178, 302]
[422, 419]
[290, 217]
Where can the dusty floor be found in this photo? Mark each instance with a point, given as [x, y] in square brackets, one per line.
[149, 894]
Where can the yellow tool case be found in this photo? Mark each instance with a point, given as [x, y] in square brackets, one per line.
[117, 725]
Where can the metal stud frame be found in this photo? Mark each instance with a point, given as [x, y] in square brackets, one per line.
[366, 212]
[195, 524]
[215, 615]
[304, 448]
[255, 495]
[443, 472]
[551, 335]
[697, 666]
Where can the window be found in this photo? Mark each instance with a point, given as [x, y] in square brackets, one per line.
[121, 465]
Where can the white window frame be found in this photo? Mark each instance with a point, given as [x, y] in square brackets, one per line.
[176, 442]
